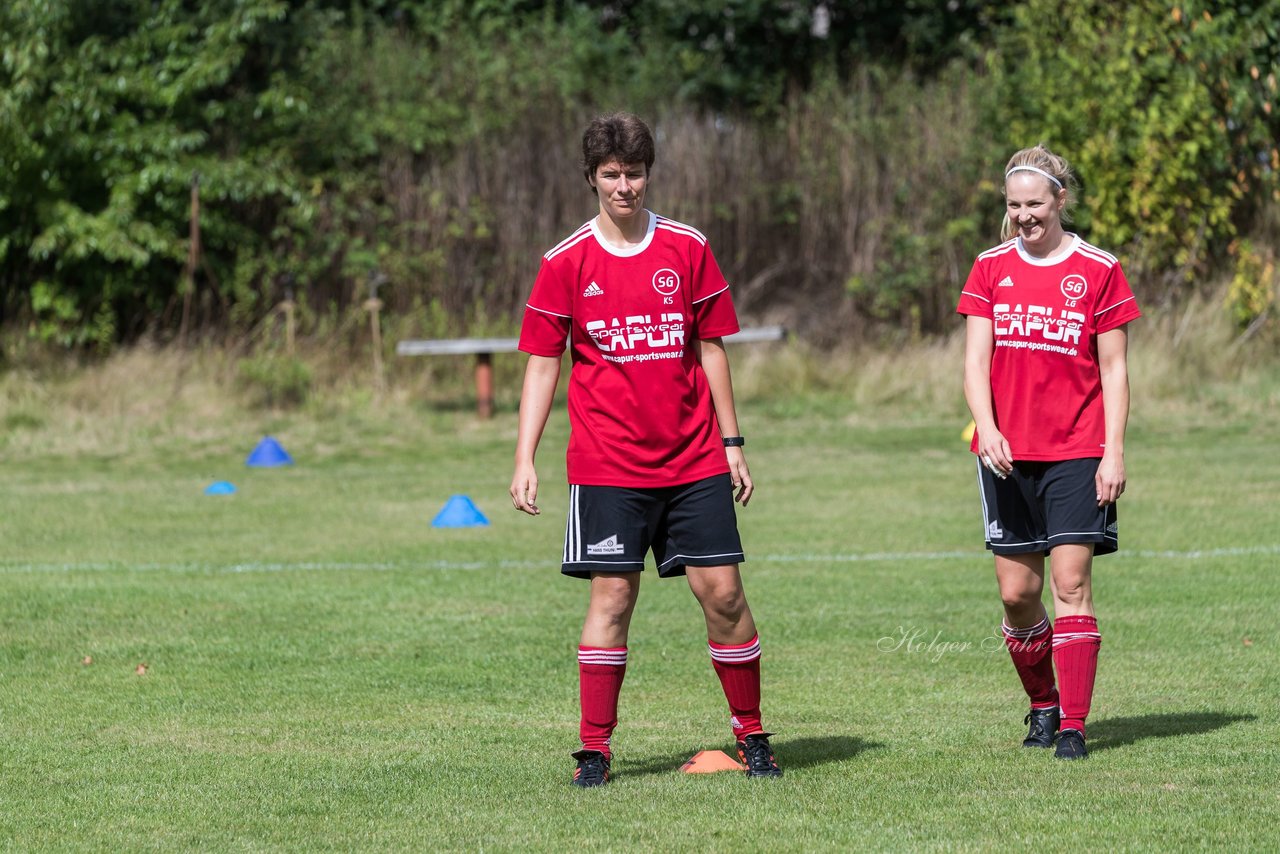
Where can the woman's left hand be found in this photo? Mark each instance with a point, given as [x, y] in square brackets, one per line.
[1109, 480]
[741, 476]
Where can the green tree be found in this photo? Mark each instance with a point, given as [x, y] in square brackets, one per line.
[107, 113]
[1169, 114]
[751, 55]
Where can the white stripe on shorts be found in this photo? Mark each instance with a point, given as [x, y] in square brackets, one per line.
[986, 514]
[1080, 534]
[573, 529]
[737, 557]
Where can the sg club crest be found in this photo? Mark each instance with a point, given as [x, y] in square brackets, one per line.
[1074, 287]
[666, 282]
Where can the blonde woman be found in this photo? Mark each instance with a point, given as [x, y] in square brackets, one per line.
[1046, 379]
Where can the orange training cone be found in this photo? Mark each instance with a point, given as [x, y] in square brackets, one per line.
[711, 761]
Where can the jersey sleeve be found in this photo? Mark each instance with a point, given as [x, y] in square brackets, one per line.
[1116, 303]
[713, 312]
[548, 315]
[975, 296]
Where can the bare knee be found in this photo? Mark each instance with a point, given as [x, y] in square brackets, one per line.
[1017, 603]
[1018, 595]
[1072, 589]
[719, 592]
[1021, 582]
[1072, 566]
[612, 599]
[726, 601]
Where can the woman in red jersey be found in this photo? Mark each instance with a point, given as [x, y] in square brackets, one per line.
[1046, 378]
[654, 455]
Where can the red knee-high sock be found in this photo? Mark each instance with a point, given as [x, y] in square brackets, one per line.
[1031, 648]
[600, 673]
[1075, 653]
[738, 666]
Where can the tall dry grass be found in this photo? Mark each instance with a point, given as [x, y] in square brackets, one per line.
[1188, 364]
[826, 219]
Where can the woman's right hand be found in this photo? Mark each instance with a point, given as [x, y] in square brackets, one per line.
[994, 452]
[524, 489]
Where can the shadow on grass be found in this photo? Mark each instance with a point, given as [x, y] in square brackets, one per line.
[791, 753]
[1118, 732]
[807, 752]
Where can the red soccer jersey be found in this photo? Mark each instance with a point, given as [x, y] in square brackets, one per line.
[640, 411]
[1046, 387]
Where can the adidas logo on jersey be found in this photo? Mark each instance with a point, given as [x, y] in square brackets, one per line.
[607, 546]
[1006, 282]
[994, 531]
[593, 290]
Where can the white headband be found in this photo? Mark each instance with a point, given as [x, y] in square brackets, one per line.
[1055, 181]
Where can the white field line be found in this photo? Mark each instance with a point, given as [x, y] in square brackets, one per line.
[1193, 554]
[254, 566]
[450, 565]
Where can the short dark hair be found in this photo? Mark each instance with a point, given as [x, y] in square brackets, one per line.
[618, 136]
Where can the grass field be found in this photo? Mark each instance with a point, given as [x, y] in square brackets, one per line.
[323, 670]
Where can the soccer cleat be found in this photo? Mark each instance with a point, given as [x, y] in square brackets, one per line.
[592, 770]
[1044, 725]
[757, 755]
[1071, 745]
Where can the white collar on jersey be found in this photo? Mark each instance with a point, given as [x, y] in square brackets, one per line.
[1052, 259]
[628, 251]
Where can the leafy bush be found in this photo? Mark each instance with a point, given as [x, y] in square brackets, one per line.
[841, 157]
[1168, 113]
[1252, 292]
[107, 114]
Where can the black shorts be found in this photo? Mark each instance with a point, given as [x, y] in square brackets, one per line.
[612, 528]
[1045, 504]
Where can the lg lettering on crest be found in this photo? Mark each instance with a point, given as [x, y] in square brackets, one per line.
[666, 282]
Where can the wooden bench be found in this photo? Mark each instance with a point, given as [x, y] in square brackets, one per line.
[484, 348]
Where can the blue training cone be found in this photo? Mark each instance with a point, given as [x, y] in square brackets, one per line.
[267, 454]
[220, 487]
[459, 512]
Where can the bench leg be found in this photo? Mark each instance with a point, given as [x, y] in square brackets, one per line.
[484, 385]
